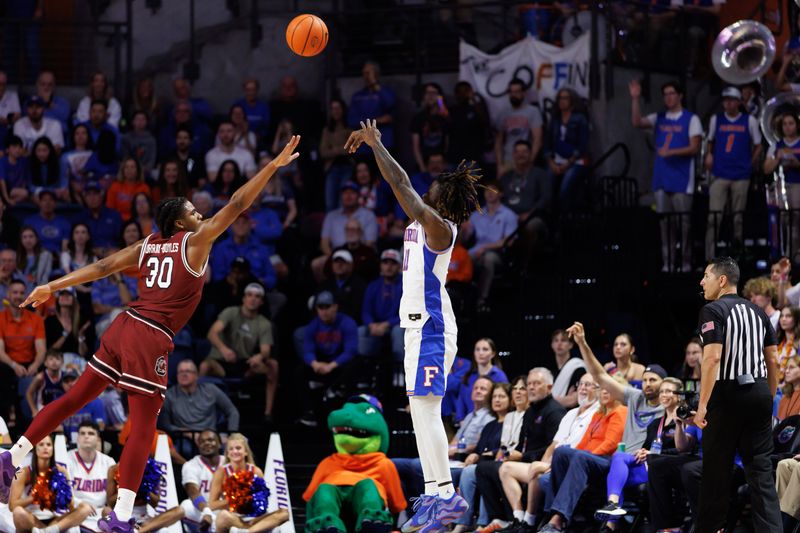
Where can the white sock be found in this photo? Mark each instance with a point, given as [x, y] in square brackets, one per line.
[124, 506]
[52, 529]
[427, 417]
[519, 515]
[37, 530]
[21, 449]
[431, 489]
[529, 519]
[237, 529]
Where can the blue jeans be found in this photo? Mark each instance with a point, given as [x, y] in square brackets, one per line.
[334, 178]
[546, 485]
[467, 486]
[570, 193]
[411, 478]
[371, 346]
[571, 472]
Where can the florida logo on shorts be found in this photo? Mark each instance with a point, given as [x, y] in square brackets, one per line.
[161, 366]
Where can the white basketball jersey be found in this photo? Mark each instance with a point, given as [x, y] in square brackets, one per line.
[199, 472]
[89, 480]
[424, 276]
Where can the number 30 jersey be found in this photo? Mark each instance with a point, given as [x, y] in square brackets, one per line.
[169, 288]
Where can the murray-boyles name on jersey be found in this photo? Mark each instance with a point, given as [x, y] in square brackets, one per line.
[424, 276]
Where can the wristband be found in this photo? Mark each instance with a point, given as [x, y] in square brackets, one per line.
[197, 501]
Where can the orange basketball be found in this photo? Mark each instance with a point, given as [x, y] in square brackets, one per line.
[307, 35]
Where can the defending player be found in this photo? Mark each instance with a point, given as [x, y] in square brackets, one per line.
[427, 316]
[133, 351]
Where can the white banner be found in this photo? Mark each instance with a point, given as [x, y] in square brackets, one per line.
[543, 67]
[278, 483]
[168, 491]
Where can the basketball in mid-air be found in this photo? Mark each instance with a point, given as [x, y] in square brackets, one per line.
[307, 35]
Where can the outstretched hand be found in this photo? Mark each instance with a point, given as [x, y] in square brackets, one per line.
[38, 296]
[576, 332]
[369, 134]
[287, 156]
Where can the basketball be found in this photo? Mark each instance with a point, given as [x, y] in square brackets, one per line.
[307, 35]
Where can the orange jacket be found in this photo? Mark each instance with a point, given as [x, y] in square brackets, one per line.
[347, 470]
[604, 432]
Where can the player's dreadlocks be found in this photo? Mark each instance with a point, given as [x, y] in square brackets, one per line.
[458, 196]
[167, 212]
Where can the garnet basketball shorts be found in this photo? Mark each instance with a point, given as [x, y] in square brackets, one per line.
[133, 354]
[429, 356]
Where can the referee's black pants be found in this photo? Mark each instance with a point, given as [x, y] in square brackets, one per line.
[739, 418]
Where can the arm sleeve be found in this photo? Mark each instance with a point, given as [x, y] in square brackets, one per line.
[350, 342]
[265, 336]
[770, 339]
[771, 150]
[511, 224]
[755, 130]
[651, 119]
[189, 474]
[522, 430]
[309, 346]
[695, 126]
[712, 325]
[366, 307]
[583, 136]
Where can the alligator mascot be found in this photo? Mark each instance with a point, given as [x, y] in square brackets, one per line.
[358, 483]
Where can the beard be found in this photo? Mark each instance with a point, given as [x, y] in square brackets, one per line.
[516, 102]
[583, 401]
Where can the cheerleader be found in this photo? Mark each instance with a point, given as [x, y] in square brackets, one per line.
[41, 495]
[239, 494]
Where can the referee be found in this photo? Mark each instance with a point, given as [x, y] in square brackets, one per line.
[738, 383]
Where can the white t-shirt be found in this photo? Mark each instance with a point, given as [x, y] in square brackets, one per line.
[199, 472]
[89, 480]
[9, 103]
[793, 295]
[512, 426]
[216, 156]
[775, 318]
[50, 129]
[573, 426]
[695, 126]
[752, 126]
[3, 427]
[85, 105]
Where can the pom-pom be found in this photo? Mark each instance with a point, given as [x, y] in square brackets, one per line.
[62, 491]
[41, 493]
[236, 490]
[260, 496]
[151, 480]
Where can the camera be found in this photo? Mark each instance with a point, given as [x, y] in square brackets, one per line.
[689, 402]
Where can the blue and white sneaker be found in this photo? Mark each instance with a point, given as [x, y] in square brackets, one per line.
[447, 510]
[424, 510]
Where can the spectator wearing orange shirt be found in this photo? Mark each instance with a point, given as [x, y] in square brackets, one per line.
[22, 346]
[129, 183]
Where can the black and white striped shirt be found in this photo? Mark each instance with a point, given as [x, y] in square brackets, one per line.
[743, 329]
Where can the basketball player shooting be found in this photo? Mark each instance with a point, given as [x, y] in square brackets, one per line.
[133, 351]
[427, 316]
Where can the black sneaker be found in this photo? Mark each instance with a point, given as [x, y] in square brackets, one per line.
[610, 510]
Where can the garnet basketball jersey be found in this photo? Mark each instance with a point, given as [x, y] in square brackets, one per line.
[89, 480]
[169, 289]
[200, 473]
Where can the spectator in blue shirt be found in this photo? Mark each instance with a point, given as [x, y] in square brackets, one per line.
[105, 225]
[15, 174]
[201, 109]
[256, 110]
[53, 230]
[267, 229]
[491, 229]
[380, 312]
[109, 297]
[485, 363]
[242, 243]
[103, 163]
[566, 147]
[330, 344]
[375, 102]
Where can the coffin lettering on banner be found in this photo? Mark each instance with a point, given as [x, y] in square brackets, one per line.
[541, 66]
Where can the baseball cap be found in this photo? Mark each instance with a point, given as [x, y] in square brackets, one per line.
[391, 254]
[349, 185]
[254, 287]
[240, 262]
[732, 92]
[367, 398]
[93, 186]
[69, 374]
[324, 298]
[344, 255]
[657, 370]
[35, 100]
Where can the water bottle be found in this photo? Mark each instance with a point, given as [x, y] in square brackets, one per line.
[461, 449]
[621, 447]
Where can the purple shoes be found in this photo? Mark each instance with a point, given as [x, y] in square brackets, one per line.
[111, 524]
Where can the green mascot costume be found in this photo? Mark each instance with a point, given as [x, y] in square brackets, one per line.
[359, 481]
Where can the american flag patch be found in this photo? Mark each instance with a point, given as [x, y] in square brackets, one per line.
[707, 326]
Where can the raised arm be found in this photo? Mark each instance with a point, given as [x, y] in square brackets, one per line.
[116, 262]
[200, 242]
[594, 367]
[437, 231]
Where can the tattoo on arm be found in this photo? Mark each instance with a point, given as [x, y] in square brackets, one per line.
[397, 178]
